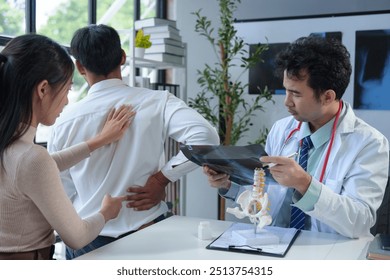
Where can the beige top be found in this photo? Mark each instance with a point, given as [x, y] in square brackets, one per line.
[33, 201]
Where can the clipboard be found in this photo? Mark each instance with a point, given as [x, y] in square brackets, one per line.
[237, 161]
[225, 242]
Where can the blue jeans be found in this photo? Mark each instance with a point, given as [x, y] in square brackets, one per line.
[99, 242]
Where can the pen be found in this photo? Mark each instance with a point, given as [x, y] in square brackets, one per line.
[269, 165]
[239, 248]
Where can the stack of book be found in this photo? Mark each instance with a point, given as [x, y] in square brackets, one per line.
[377, 248]
[167, 45]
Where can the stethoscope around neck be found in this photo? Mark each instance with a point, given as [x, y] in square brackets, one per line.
[334, 127]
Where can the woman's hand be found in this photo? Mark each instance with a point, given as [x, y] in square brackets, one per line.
[111, 206]
[114, 128]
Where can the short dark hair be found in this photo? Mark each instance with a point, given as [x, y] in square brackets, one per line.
[97, 48]
[325, 60]
[26, 61]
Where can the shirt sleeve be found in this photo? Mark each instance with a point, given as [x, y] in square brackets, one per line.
[172, 172]
[232, 192]
[310, 198]
[185, 125]
[38, 178]
[70, 156]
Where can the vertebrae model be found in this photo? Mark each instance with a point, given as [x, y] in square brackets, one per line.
[254, 203]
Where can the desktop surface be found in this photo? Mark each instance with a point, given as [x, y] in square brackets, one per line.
[176, 238]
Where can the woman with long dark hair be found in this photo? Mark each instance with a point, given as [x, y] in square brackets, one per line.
[35, 77]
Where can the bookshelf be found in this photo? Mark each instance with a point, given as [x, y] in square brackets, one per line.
[133, 62]
[153, 64]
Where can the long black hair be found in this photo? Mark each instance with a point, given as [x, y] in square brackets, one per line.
[26, 61]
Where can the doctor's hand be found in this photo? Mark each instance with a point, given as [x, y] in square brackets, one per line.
[288, 172]
[144, 198]
[217, 180]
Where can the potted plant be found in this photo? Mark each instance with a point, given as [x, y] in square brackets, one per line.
[142, 42]
[232, 114]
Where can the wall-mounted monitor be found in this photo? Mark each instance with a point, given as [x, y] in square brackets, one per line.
[262, 74]
[372, 70]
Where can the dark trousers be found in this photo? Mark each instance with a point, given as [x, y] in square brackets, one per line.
[101, 241]
[39, 254]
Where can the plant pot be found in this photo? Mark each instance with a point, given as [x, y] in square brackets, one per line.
[139, 52]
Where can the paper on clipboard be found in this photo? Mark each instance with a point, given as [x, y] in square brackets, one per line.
[237, 161]
[226, 241]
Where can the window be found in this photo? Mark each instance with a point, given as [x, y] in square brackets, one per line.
[12, 17]
[59, 19]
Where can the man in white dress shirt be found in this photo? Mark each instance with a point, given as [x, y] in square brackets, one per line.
[136, 163]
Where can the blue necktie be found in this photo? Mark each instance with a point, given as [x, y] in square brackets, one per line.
[297, 216]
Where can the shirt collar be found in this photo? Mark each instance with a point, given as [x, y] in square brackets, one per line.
[322, 135]
[102, 85]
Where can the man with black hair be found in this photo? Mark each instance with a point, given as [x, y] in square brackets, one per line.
[135, 163]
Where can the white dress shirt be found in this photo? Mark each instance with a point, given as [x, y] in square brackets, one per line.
[132, 160]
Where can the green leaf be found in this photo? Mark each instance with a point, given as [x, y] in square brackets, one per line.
[142, 40]
[217, 81]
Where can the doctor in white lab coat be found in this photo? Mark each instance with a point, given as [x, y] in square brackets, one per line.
[347, 168]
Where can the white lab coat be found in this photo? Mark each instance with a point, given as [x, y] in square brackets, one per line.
[354, 182]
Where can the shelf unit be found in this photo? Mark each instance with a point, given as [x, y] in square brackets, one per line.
[179, 71]
[147, 63]
[136, 62]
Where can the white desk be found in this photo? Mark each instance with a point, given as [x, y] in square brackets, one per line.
[176, 238]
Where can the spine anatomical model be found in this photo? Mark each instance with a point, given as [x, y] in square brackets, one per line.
[254, 203]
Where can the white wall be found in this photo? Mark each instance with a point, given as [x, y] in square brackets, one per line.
[260, 9]
[201, 200]
[289, 30]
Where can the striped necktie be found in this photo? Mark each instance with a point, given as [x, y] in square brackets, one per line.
[297, 216]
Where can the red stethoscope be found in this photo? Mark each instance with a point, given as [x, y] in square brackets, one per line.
[336, 120]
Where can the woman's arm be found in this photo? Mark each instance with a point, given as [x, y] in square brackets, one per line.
[38, 178]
